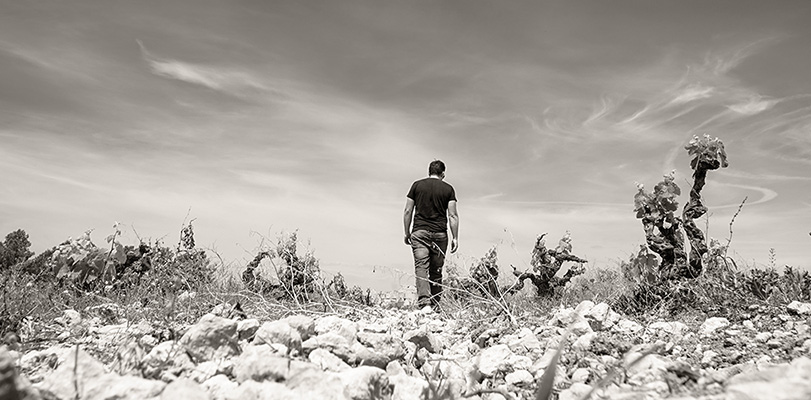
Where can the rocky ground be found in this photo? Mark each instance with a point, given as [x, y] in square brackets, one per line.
[398, 354]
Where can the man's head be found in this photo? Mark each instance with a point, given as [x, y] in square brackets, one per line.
[436, 168]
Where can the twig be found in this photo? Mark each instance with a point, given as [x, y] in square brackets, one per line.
[186, 218]
[732, 221]
[515, 248]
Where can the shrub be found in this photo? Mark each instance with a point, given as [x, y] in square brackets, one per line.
[297, 278]
[663, 229]
[15, 249]
[545, 265]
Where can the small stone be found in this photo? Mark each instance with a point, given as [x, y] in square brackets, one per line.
[247, 328]
[675, 329]
[278, 332]
[365, 382]
[763, 361]
[211, 338]
[409, 387]
[524, 342]
[148, 342]
[584, 307]
[259, 362]
[253, 390]
[577, 391]
[708, 356]
[424, 339]
[304, 325]
[219, 386]
[335, 324]
[627, 327]
[799, 308]
[184, 389]
[204, 371]
[807, 346]
[583, 343]
[327, 361]
[581, 375]
[494, 359]
[331, 341]
[713, 324]
[519, 377]
[389, 346]
[598, 313]
[563, 317]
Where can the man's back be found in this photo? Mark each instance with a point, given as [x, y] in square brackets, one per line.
[431, 197]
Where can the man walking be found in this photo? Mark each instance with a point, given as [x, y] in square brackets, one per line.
[435, 204]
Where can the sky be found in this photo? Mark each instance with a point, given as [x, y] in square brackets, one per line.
[256, 118]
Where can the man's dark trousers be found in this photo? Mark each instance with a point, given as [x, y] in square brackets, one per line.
[429, 256]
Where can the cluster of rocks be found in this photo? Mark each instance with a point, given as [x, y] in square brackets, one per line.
[396, 354]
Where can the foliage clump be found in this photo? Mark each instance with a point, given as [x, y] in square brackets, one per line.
[15, 249]
[81, 264]
[354, 294]
[641, 268]
[298, 277]
[77, 272]
[723, 289]
[485, 273]
[295, 279]
[546, 263]
[663, 228]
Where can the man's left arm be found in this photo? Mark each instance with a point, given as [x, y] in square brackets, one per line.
[453, 220]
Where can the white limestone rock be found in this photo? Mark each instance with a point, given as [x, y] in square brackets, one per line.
[211, 338]
[713, 324]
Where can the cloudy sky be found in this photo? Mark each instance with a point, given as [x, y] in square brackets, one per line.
[257, 117]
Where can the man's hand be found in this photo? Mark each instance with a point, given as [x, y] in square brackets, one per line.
[454, 245]
[407, 239]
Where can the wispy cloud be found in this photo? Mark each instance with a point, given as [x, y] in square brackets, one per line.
[692, 92]
[720, 63]
[67, 60]
[766, 194]
[753, 106]
[701, 96]
[224, 79]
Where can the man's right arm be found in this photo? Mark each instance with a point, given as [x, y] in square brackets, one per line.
[453, 220]
[408, 214]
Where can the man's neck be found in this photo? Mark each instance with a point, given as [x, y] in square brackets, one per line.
[435, 177]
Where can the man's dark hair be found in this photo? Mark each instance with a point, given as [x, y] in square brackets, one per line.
[436, 167]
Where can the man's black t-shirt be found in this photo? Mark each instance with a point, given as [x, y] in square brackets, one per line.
[431, 197]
